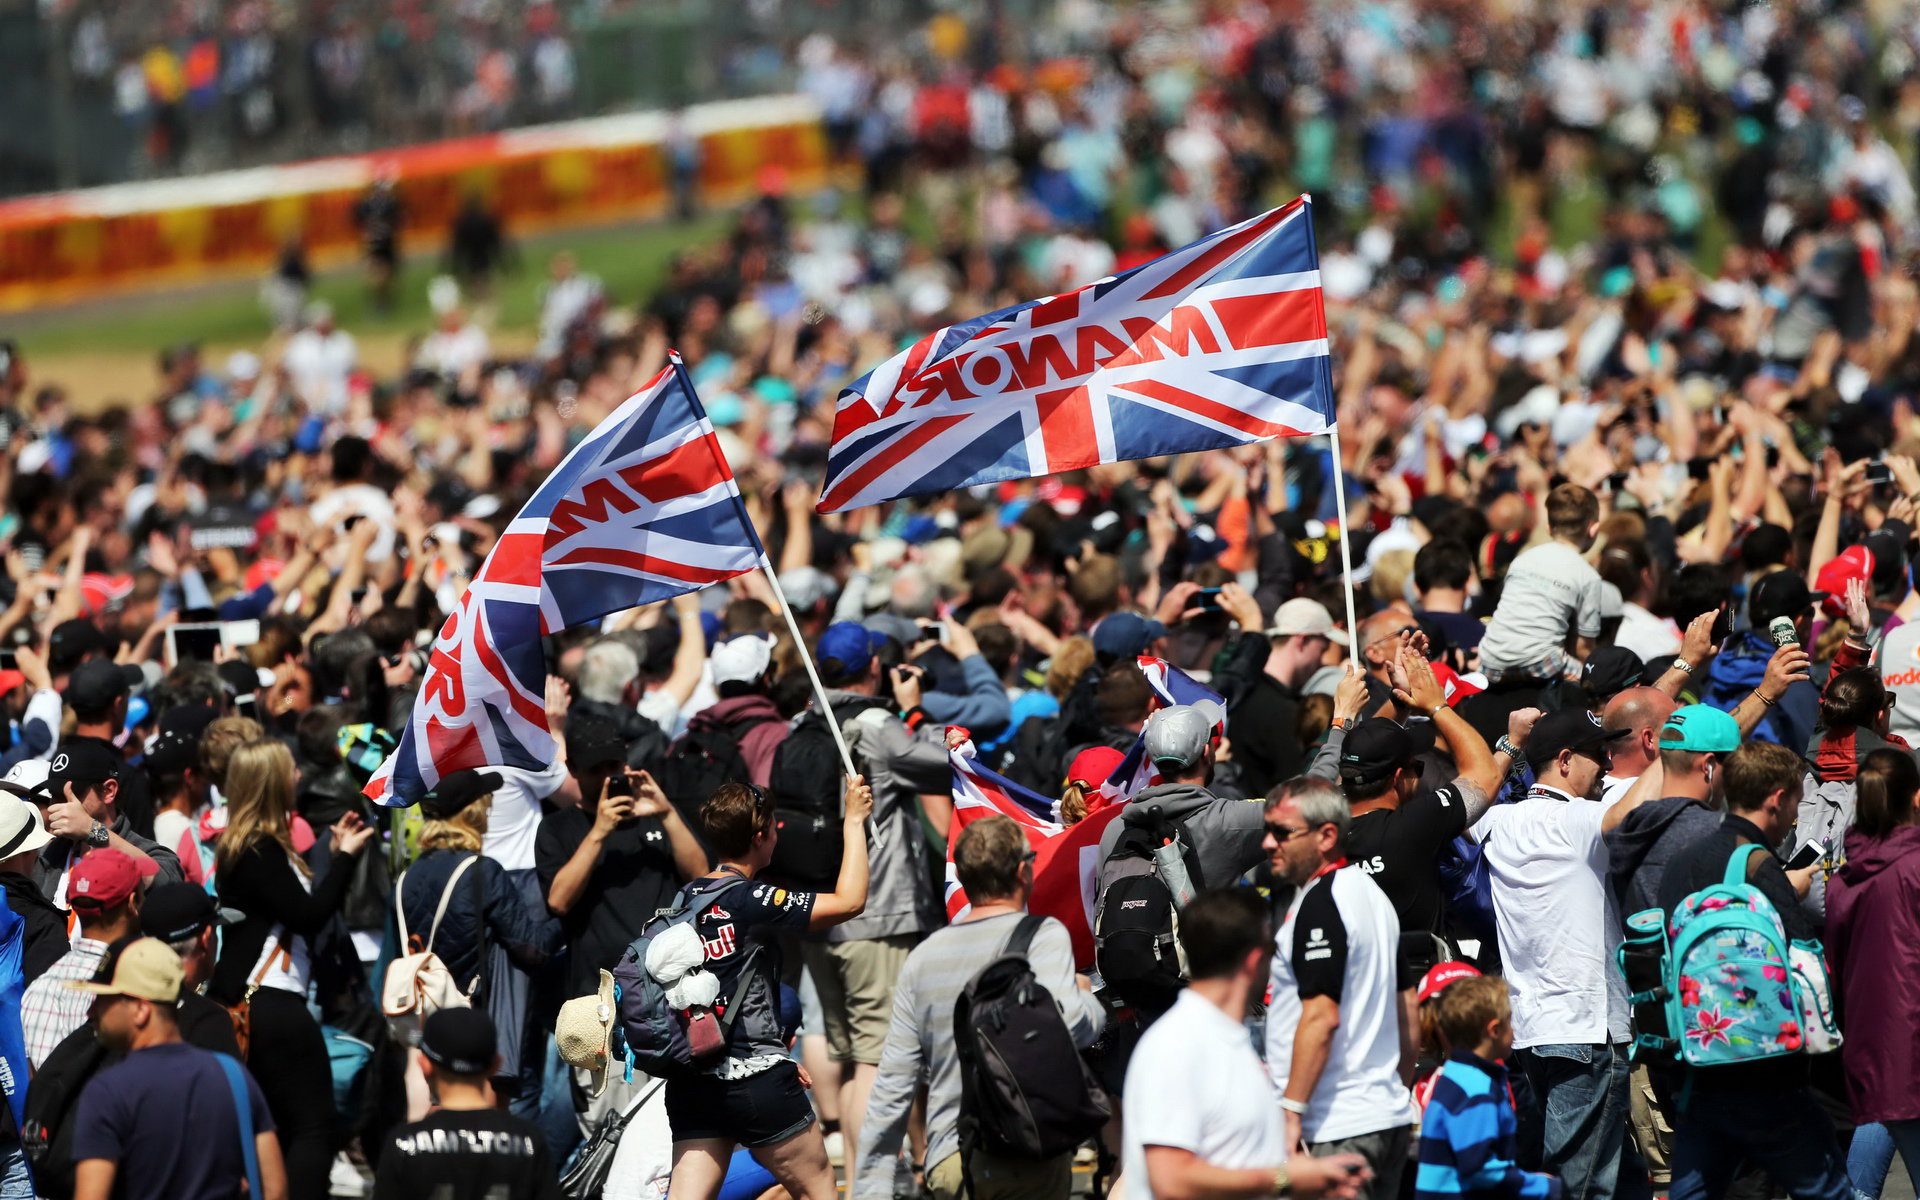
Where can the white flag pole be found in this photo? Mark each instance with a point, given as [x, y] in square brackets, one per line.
[813, 675]
[806, 660]
[1346, 548]
[773, 579]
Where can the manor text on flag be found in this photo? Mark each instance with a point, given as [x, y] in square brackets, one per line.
[1214, 345]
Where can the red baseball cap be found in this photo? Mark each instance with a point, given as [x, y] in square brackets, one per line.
[1094, 766]
[1440, 975]
[106, 877]
[1855, 562]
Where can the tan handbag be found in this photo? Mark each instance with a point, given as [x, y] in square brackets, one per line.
[419, 984]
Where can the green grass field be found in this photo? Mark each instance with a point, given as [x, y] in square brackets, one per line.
[105, 348]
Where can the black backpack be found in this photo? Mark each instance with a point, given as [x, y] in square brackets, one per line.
[1136, 925]
[706, 757]
[806, 787]
[1025, 1092]
[46, 1128]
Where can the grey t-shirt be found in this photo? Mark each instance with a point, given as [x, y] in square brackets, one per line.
[1549, 591]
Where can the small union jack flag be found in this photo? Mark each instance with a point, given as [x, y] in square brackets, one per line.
[1066, 862]
[1217, 344]
[643, 509]
[1170, 686]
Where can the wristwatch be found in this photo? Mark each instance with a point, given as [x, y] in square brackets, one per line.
[98, 836]
[1504, 745]
[1282, 1181]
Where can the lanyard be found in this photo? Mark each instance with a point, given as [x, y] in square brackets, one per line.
[1329, 869]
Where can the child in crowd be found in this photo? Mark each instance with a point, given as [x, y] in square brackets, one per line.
[1466, 1136]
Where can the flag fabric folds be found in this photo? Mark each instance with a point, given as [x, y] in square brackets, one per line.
[1214, 345]
[1066, 864]
[643, 509]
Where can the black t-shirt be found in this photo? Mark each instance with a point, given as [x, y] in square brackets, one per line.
[633, 880]
[1401, 848]
[737, 935]
[466, 1154]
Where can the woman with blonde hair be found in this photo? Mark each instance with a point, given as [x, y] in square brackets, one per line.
[264, 967]
[461, 900]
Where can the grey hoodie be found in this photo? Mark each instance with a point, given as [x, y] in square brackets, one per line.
[899, 765]
[1224, 835]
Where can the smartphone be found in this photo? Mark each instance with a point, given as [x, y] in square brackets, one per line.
[1879, 472]
[1809, 854]
[1616, 481]
[195, 642]
[1208, 598]
[934, 631]
[619, 785]
[235, 635]
[9, 660]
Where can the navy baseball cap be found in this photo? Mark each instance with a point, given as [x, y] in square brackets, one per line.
[1124, 635]
[846, 649]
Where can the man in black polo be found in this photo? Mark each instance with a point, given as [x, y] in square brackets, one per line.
[1399, 829]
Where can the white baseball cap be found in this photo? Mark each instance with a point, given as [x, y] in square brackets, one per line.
[1302, 617]
[741, 659]
[21, 826]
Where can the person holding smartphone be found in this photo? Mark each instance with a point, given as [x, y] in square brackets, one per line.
[609, 863]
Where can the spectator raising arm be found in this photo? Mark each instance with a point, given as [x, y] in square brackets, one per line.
[848, 899]
[1479, 775]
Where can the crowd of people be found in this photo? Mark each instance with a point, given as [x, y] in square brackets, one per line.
[1632, 617]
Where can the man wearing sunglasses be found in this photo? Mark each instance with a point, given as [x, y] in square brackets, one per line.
[1334, 1021]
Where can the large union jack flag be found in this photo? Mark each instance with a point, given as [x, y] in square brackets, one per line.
[643, 509]
[1217, 344]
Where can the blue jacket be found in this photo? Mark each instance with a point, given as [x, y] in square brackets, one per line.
[1738, 669]
[528, 937]
[983, 708]
[1466, 1137]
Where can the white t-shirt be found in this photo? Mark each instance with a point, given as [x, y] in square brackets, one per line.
[1341, 938]
[289, 971]
[451, 352]
[1195, 1084]
[1612, 787]
[515, 819]
[361, 500]
[170, 828]
[1558, 927]
[1550, 590]
[1646, 635]
[319, 365]
[1900, 672]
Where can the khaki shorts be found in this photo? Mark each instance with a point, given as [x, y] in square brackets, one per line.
[1002, 1178]
[855, 981]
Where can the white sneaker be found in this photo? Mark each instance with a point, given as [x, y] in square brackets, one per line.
[346, 1179]
[836, 1148]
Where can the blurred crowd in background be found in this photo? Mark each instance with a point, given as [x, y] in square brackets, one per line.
[1660, 254]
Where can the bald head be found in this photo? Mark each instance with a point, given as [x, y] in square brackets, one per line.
[1642, 711]
[1380, 633]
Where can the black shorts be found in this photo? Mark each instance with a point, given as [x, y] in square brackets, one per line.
[760, 1110]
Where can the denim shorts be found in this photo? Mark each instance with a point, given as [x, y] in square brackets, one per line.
[761, 1110]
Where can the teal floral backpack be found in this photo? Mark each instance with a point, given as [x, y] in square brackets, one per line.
[1732, 987]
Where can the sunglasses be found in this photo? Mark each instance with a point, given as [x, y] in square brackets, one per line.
[1286, 833]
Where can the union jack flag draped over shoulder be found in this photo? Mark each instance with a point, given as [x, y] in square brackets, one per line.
[643, 509]
[1217, 344]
